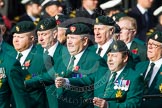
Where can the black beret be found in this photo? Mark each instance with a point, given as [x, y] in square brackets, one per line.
[78, 29]
[118, 46]
[23, 27]
[104, 20]
[46, 24]
[157, 36]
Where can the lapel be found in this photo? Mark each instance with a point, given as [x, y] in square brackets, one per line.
[30, 55]
[1, 57]
[122, 75]
[156, 80]
[83, 58]
[133, 45]
[57, 51]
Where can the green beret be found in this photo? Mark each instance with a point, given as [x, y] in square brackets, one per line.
[117, 16]
[104, 20]
[117, 28]
[1, 21]
[60, 19]
[118, 46]
[78, 29]
[46, 24]
[157, 36]
[23, 27]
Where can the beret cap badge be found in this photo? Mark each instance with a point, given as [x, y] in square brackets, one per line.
[72, 29]
[156, 36]
[115, 47]
[97, 20]
[17, 28]
[42, 27]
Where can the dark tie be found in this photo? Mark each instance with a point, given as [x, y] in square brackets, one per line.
[110, 83]
[146, 18]
[99, 51]
[71, 63]
[46, 52]
[48, 60]
[149, 74]
[19, 56]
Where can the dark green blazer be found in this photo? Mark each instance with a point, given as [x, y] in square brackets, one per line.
[88, 63]
[130, 99]
[34, 66]
[50, 90]
[154, 88]
[12, 82]
[94, 49]
[138, 47]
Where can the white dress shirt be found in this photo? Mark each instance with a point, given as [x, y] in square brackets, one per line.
[156, 68]
[104, 47]
[24, 54]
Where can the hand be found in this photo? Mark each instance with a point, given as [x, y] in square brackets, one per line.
[101, 103]
[59, 82]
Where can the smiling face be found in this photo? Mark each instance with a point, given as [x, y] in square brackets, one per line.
[76, 43]
[102, 34]
[116, 61]
[154, 50]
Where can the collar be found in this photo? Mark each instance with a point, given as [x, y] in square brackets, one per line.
[141, 9]
[78, 56]
[106, 44]
[158, 62]
[90, 11]
[129, 44]
[26, 52]
[52, 49]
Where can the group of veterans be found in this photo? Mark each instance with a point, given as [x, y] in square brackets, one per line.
[60, 63]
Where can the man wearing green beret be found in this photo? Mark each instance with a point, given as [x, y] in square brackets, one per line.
[11, 81]
[47, 38]
[152, 71]
[103, 33]
[118, 87]
[61, 29]
[81, 62]
[23, 37]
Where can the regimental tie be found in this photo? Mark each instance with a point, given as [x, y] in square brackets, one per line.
[110, 83]
[48, 60]
[19, 56]
[148, 77]
[71, 64]
[99, 51]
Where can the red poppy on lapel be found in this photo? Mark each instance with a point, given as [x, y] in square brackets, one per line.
[58, 22]
[76, 68]
[135, 51]
[160, 73]
[27, 63]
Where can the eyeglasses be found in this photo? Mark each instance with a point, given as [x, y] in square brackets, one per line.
[153, 45]
[128, 29]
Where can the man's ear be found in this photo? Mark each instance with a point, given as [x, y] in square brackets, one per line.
[55, 33]
[85, 41]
